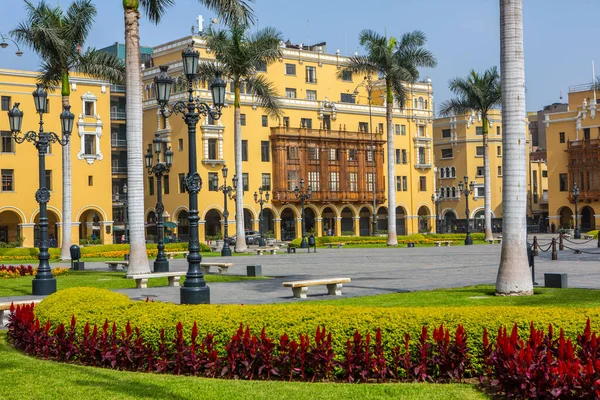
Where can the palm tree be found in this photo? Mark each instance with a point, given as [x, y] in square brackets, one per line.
[57, 37]
[237, 55]
[513, 273]
[478, 93]
[395, 62]
[228, 10]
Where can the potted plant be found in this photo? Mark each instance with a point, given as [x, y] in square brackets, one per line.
[269, 238]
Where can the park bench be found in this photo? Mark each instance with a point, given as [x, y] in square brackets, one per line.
[223, 267]
[300, 288]
[588, 237]
[446, 243]
[113, 265]
[141, 280]
[5, 307]
[291, 250]
[172, 254]
[495, 240]
[339, 245]
[261, 250]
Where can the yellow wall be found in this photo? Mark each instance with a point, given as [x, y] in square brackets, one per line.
[19, 208]
[343, 116]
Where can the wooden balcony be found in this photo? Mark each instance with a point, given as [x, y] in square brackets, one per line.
[362, 196]
[326, 134]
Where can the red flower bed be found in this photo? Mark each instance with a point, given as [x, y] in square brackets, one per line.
[22, 270]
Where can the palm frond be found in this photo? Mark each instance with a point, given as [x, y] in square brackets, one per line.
[50, 76]
[208, 70]
[454, 106]
[263, 46]
[475, 92]
[358, 65]
[155, 9]
[266, 94]
[79, 20]
[232, 11]
[101, 65]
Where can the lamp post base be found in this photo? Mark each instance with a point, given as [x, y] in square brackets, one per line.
[468, 240]
[577, 234]
[261, 242]
[161, 266]
[304, 244]
[194, 295]
[43, 287]
[226, 252]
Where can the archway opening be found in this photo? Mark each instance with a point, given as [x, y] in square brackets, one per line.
[309, 221]
[424, 223]
[364, 221]
[183, 226]
[328, 216]
[90, 227]
[347, 222]
[450, 222]
[478, 222]
[212, 224]
[400, 221]
[566, 218]
[10, 231]
[151, 230]
[288, 225]
[382, 219]
[54, 231]
[268, 220]
[248, 226]
[588, 221]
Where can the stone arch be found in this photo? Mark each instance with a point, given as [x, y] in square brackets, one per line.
[309, 218]
[453, 172]
[53, 229]
[365, 217]
[449, 211]
[288, 223]
[347, 215]
[89, 224]
[328, 216]
[10, 220]
[420, 103]
[248, 218]
[293, 209]
[450, 217]
[183, 224]
[566, 217]
[331, 206]
[424, 213]
[382, 218]
[207, 209]
[351, 207]
[401, 220]
[268, 219]
[103, 215]
[212, 221]
[250, 209]
[481, 210]
[150, 225]
[588, 221]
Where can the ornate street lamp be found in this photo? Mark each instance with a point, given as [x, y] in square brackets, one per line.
[4, 44]
[368, 84]
[227, 190]
[44, 282]
[303, 196]
[126, 213]
[437, 200]
[194, 289]
[261, 201]
[161, 264]
[466, 189]
[577, 234]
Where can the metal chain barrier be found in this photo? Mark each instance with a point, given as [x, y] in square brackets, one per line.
[579, 251]
[578, 242]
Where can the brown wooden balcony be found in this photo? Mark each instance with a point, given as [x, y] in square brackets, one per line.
[362, 196]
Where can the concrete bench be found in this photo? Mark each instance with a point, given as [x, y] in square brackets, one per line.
[587, 237]
[339, 245]
[223, 267]
[495, 240]
[172, 254]
[446, 243]
[113, 265]
[291, 250]
[141, 280]
[5, 307]
[334, 286]
[272, 250]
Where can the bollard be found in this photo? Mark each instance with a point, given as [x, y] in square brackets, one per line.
[561, 246]
[535, 246]
[554, 253]
[599, 240]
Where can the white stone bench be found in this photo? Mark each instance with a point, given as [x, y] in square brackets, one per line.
[587, 237]
[261, 250]
[113, 265]
[446, 243]
[5, 307]
[334, 286]
[171, 254]
[141, 280]
[339, 245]
[495, 240]
[223, 267]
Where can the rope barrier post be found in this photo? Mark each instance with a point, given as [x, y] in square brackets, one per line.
[531, 257]
[554, 253]
[535, 246]
[561, 246]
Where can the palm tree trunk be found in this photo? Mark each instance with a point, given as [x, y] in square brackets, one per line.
[392, 239]
[67, 206]
[240, 234]
[138, 258]
[487, 201]
[513, 274]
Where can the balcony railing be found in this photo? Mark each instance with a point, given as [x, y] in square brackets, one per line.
[119, 170]
[117, 88]
[311, 133]
[584, 144]
[583, 87]
[116, 142]
[117, 114]
[329, 195]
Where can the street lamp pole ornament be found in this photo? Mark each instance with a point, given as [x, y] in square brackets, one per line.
[227, 190]
[260, 200]
[467, 189]
[577, 233]
[162, 167]
[44, 282]
[303, 195]
[194, 289]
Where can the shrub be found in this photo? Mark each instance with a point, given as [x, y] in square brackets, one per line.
[416, 238]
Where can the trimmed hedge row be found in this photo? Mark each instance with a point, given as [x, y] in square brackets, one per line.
[97, 305]
[101, 251]
[416, 238]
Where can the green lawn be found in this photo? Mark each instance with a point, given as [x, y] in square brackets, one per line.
[480, 295]
[31, 378]
[383, 245]
[98, 279]
[102, 259]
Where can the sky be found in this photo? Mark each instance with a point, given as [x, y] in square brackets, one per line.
[560, 35]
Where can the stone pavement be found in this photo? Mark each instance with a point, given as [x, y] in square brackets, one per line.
[376, 271]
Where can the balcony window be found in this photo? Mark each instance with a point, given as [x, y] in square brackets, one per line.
[563, 182]
[290, 93]
[363, 127]
[370, 178]
[352, 155]
[311, 95]
[346, 98]
[8, 145]
[89, 144]
[212, 149]
[313, 153]
[314, 181]
[421, 155]
[353, 183]
[334, 181]
[446, 153]
[8, 180]
[266, 181]
[292, 180]
[290, 69]
[311, 74]
[293, 153]
[446, 133]
[306, 123]
[89, 108]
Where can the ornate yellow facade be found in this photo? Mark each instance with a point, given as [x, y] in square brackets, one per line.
[328, 128]
[90, 151]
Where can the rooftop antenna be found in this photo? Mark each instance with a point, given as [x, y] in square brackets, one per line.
[561, 95]
[308, 31]
[346, 41]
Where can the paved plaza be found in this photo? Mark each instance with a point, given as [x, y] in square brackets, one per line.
[376, 271]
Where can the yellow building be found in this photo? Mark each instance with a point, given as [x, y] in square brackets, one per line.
[537, 200]
[573, 148]
[90, 150]
[458, 143]
[324, 138]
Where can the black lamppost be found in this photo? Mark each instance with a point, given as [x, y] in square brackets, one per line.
[466, 189]
[4, 45]
[44, 282]
[194, 289]
[577, 234]
[161, 264]
[303, 195]
[367, 83]
[262, 201]
[437, 200]
[227, 190]
[126, 213]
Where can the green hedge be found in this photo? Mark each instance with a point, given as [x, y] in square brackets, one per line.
[97, 305]
[416, 238]
[99, 251]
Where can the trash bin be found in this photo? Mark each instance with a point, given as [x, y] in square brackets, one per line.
[312, 243]
[75, 257]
